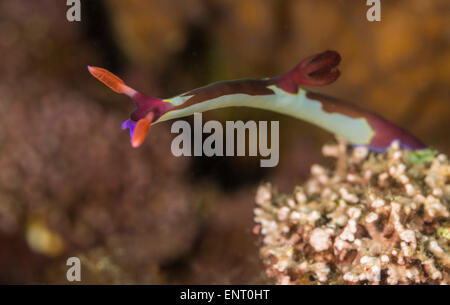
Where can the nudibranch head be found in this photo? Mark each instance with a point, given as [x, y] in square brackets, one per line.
[149, 109]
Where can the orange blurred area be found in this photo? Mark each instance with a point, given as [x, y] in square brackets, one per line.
[70, 183]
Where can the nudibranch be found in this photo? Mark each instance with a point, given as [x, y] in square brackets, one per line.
[282, 94]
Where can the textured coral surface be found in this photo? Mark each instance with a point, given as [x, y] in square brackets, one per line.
[373, 219]
[70, 185]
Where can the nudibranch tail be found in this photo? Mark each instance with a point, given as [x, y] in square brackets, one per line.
[383, 132]
[149, 109]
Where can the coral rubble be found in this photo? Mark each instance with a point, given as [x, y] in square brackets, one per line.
[376, 218]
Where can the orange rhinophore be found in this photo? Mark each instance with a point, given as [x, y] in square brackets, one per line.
[141, 130]
[149, 109]
[110, 80]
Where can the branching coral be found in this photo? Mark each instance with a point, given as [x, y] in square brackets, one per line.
[377, 218]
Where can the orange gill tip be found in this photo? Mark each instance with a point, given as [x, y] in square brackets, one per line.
[111, 80]
[141, 130]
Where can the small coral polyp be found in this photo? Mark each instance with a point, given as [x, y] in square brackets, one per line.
[376, 218]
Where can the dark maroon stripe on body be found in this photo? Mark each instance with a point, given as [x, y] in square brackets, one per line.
[215, 90]
[334, 105]
[385, 131]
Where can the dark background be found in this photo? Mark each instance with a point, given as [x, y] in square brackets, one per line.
[71, 185]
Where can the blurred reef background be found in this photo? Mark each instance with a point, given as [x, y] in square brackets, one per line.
[71, 185]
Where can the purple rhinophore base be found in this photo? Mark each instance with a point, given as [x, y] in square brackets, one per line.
[131, 125]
